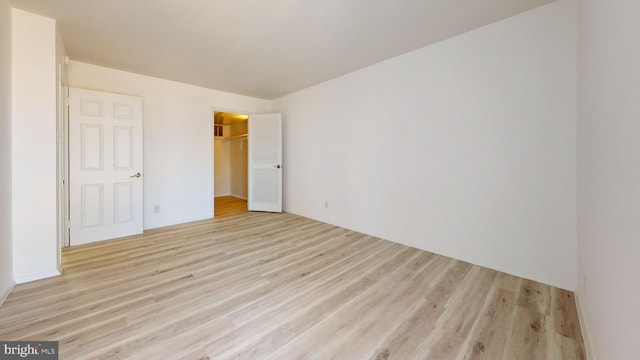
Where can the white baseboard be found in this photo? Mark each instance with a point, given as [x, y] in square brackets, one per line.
[231, 194]
[524, 275]
[584, 328]
[5, 293]
[239, 196]
[180, 222]
[474, 261]
[34, 277]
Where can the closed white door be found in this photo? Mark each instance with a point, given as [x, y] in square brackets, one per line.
[105, 166]
[265, 162]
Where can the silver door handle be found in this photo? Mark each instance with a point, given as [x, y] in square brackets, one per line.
[136, 175]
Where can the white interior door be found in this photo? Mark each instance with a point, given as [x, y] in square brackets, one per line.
[105, 166]
[265, 162]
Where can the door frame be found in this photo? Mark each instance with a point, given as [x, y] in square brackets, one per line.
[63, 158]
[62, 148]
[213, 110]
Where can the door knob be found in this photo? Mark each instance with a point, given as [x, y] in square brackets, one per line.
[136, 175]
[277, 166]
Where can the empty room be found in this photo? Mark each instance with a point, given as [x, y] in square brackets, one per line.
[413, 179]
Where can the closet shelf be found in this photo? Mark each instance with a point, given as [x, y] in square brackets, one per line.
[227, 138]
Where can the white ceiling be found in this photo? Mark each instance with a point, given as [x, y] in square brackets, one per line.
[259, 48]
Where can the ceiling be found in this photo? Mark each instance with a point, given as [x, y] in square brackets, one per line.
[259, 48]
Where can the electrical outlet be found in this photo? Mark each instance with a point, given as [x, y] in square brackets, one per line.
[326, 204]
[156, 209]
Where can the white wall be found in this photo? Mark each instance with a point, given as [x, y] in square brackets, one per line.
[466, 148]
[238, 157]
[34, 112]
[609, 176]
[62, 81]
[178, 138]
[6, 262]
[239, 128]
[222, 167]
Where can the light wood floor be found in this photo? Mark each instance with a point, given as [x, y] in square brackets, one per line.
[226, 205]
[279, 286]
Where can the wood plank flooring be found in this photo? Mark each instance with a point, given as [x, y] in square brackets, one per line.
[226, 205]
[279, 286]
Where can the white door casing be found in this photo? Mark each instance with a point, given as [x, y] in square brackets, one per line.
[265, 162]
[105, 166]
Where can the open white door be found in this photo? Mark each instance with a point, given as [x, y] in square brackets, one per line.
[265, 162]
[105, 166]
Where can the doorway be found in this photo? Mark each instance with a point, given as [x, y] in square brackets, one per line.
[230, 163]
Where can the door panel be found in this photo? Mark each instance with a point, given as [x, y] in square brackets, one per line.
[123, 147]
[92, 205]
[123, 195]
[105, 154]
[92, 147]
[265, 162]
